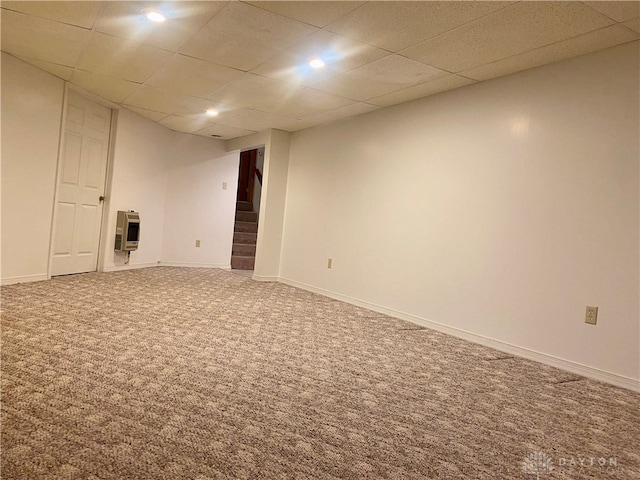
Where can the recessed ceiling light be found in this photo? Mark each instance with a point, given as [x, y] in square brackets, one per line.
[212, 112]
[316, 63]
[155, 16]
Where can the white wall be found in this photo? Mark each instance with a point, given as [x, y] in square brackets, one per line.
[162, 174]
[197, 206]
[272, 198]
[139, 182]
[146, 159]
[31, 114]
[500, 209]
[272, 205]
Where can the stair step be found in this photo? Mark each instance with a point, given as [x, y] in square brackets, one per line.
[239, 262]
[245, 238]
[251, 227]
[243, 250]
[244, 206]
[242, 216]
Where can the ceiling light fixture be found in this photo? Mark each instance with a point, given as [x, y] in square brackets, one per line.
[212, 112]
[155, 16]
[316, 63]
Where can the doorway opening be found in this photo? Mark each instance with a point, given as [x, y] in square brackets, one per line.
[245, 233]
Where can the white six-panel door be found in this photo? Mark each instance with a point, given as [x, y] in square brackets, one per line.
[83, 167]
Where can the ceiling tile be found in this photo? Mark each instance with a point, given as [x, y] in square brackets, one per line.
[126, 20]
[192, 76]
[160, 100]
[380, 77]
[60, 71]
[41, 39]
[619, 11]
[294, 68]
[318, 14]
[397, 25]
[275, 40]
[253, 91]
[397, 69]
[633, 24]
[306, 102]
[512, 30]
[223, 131]
[340, 54]
[589, 42]
[113, 89]
[351, 87]
[254, 120]
[331, 116]
[80, 14]
[150, 114]
[242, 36]
[184, 124]
[431, 87]
[122, 58]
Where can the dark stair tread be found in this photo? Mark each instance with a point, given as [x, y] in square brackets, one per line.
[245, 238]
[243, 262]
[244, 206]
[243, 246]
[245, 216]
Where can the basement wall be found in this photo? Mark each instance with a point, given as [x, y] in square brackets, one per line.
[139, 182]
[148, 163]
[31, 113]
[496, 212]
[198, 207]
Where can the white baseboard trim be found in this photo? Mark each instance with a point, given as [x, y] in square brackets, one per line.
[130, 266]
[23, 279]
[562, 364]
[224, 266]
[265, 278]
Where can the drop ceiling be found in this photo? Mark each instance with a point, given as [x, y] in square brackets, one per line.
[249, 60]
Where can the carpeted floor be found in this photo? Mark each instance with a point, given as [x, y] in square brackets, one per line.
[172, 373]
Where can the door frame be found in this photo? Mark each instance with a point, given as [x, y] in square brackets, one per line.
[108, 177]
[250, 175]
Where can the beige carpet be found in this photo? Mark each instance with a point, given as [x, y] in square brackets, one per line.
[171, 373]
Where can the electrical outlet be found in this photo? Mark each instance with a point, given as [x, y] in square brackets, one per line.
[224, 185]
[591, 315]
[197, 243]
[329, 262]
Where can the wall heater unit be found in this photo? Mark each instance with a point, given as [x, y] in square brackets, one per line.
[127, 231]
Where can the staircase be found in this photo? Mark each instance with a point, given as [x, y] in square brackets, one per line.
[245, 234]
